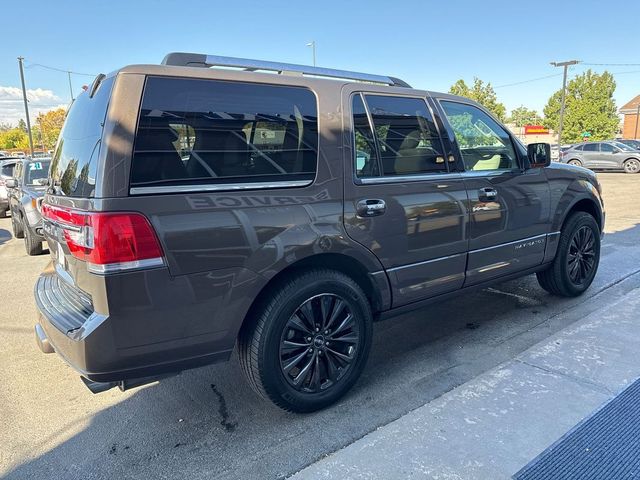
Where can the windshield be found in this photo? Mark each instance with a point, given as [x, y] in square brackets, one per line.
[37, 173]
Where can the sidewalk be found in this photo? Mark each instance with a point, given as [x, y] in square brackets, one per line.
[495, 424]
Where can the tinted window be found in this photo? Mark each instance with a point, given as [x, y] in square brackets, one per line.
[579, 147]
[73, 171]
[484, 144]
[36, 173]
[607, 147]
[194, 132]
[367, 164]
[7, 169]
[590, 147]
[407, 138]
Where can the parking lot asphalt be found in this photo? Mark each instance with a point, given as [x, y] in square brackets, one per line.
[207, 423]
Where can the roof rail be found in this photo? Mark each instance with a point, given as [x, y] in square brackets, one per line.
[205, 61]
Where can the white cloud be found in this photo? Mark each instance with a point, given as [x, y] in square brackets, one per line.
[40, 100]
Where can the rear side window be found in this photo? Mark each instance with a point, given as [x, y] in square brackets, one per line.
[194, 132]
[590, 147]
[73, 167]
[406, 137]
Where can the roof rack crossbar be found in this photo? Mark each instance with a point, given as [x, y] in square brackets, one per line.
[206, 61]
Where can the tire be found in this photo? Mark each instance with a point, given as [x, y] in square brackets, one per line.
[16, 225]
[267, 345]
[575, 162]
[631, 165]
[32, 244]
[564, 276]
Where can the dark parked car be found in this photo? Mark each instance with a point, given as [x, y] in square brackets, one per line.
[603, 156]
[7, 165]
[635, 144]
[192, 211]
[25, 189]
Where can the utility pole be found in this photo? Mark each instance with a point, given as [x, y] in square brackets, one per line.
[635, 135]
[312, 44]
[566, 66]
[70, 87]
[26, 105]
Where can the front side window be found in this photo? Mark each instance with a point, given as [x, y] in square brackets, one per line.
[406, 134]
[607, 148]
[202, 132]
[483, 143]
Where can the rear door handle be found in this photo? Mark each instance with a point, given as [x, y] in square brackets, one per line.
[487, 194]
[371, 207]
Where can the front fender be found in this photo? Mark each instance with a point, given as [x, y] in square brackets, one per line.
[579, 190]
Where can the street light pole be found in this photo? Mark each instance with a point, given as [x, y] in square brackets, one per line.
[312, 44]
[26, 105]
[564, 93]
[70, 87]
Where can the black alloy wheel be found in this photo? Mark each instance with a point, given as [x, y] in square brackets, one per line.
[581, 258]
[319, 343]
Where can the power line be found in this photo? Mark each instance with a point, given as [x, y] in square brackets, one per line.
[611, 64]
[528, 81]
[55, 69]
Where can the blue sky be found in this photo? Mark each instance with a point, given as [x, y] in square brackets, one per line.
[429, 44]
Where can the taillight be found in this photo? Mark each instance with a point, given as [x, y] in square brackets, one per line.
[108, 242]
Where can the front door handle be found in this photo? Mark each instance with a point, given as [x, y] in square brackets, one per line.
[487, 194]
[371, 207]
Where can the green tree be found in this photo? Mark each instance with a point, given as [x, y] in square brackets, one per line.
[589, 107]
[14, 138]
[22, 125]
[481, 92]
[523, 116]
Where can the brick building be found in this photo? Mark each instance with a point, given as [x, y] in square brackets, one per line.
[631, 123]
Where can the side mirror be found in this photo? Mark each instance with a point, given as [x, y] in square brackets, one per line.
[11, 183]
[539, 155]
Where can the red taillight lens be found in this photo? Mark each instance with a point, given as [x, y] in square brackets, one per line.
[108, 241]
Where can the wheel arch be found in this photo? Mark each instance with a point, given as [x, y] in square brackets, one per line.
[587, 205]
[340, 262]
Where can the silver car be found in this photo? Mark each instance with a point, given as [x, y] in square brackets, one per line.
[603, 156]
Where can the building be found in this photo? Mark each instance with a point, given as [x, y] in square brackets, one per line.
[631, 122]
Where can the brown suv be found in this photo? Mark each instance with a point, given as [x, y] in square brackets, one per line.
[192, 210]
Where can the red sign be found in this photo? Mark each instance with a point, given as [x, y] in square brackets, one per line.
[535, 130]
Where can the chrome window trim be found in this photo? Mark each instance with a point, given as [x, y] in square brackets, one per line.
[409, 178]
[221, 187]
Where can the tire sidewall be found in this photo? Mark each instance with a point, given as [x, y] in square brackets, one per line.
[628, 162]
[574, 225]
[272, 376]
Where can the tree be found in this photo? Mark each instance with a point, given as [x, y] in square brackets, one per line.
[481, 92]
[14, 138]
[523, 116]
[589, 107]
[50, 124]
[22, 125]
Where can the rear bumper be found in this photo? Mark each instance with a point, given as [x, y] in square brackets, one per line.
[100, 347]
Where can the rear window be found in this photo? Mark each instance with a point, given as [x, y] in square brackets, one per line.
[194, 134]
[36, 173]
[73, 167]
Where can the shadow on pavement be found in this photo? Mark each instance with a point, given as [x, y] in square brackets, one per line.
[207, 423]
[5, 236]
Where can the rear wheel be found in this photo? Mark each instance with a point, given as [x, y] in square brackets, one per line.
[575, 162]
[309, 342]
[631, 166]
[577, 258]
[16, 225]
[32, 243]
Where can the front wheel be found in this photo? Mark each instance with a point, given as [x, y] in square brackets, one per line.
[631, 166]
[575, 162]
[577, 258]
[16, 225]
[309, 341]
